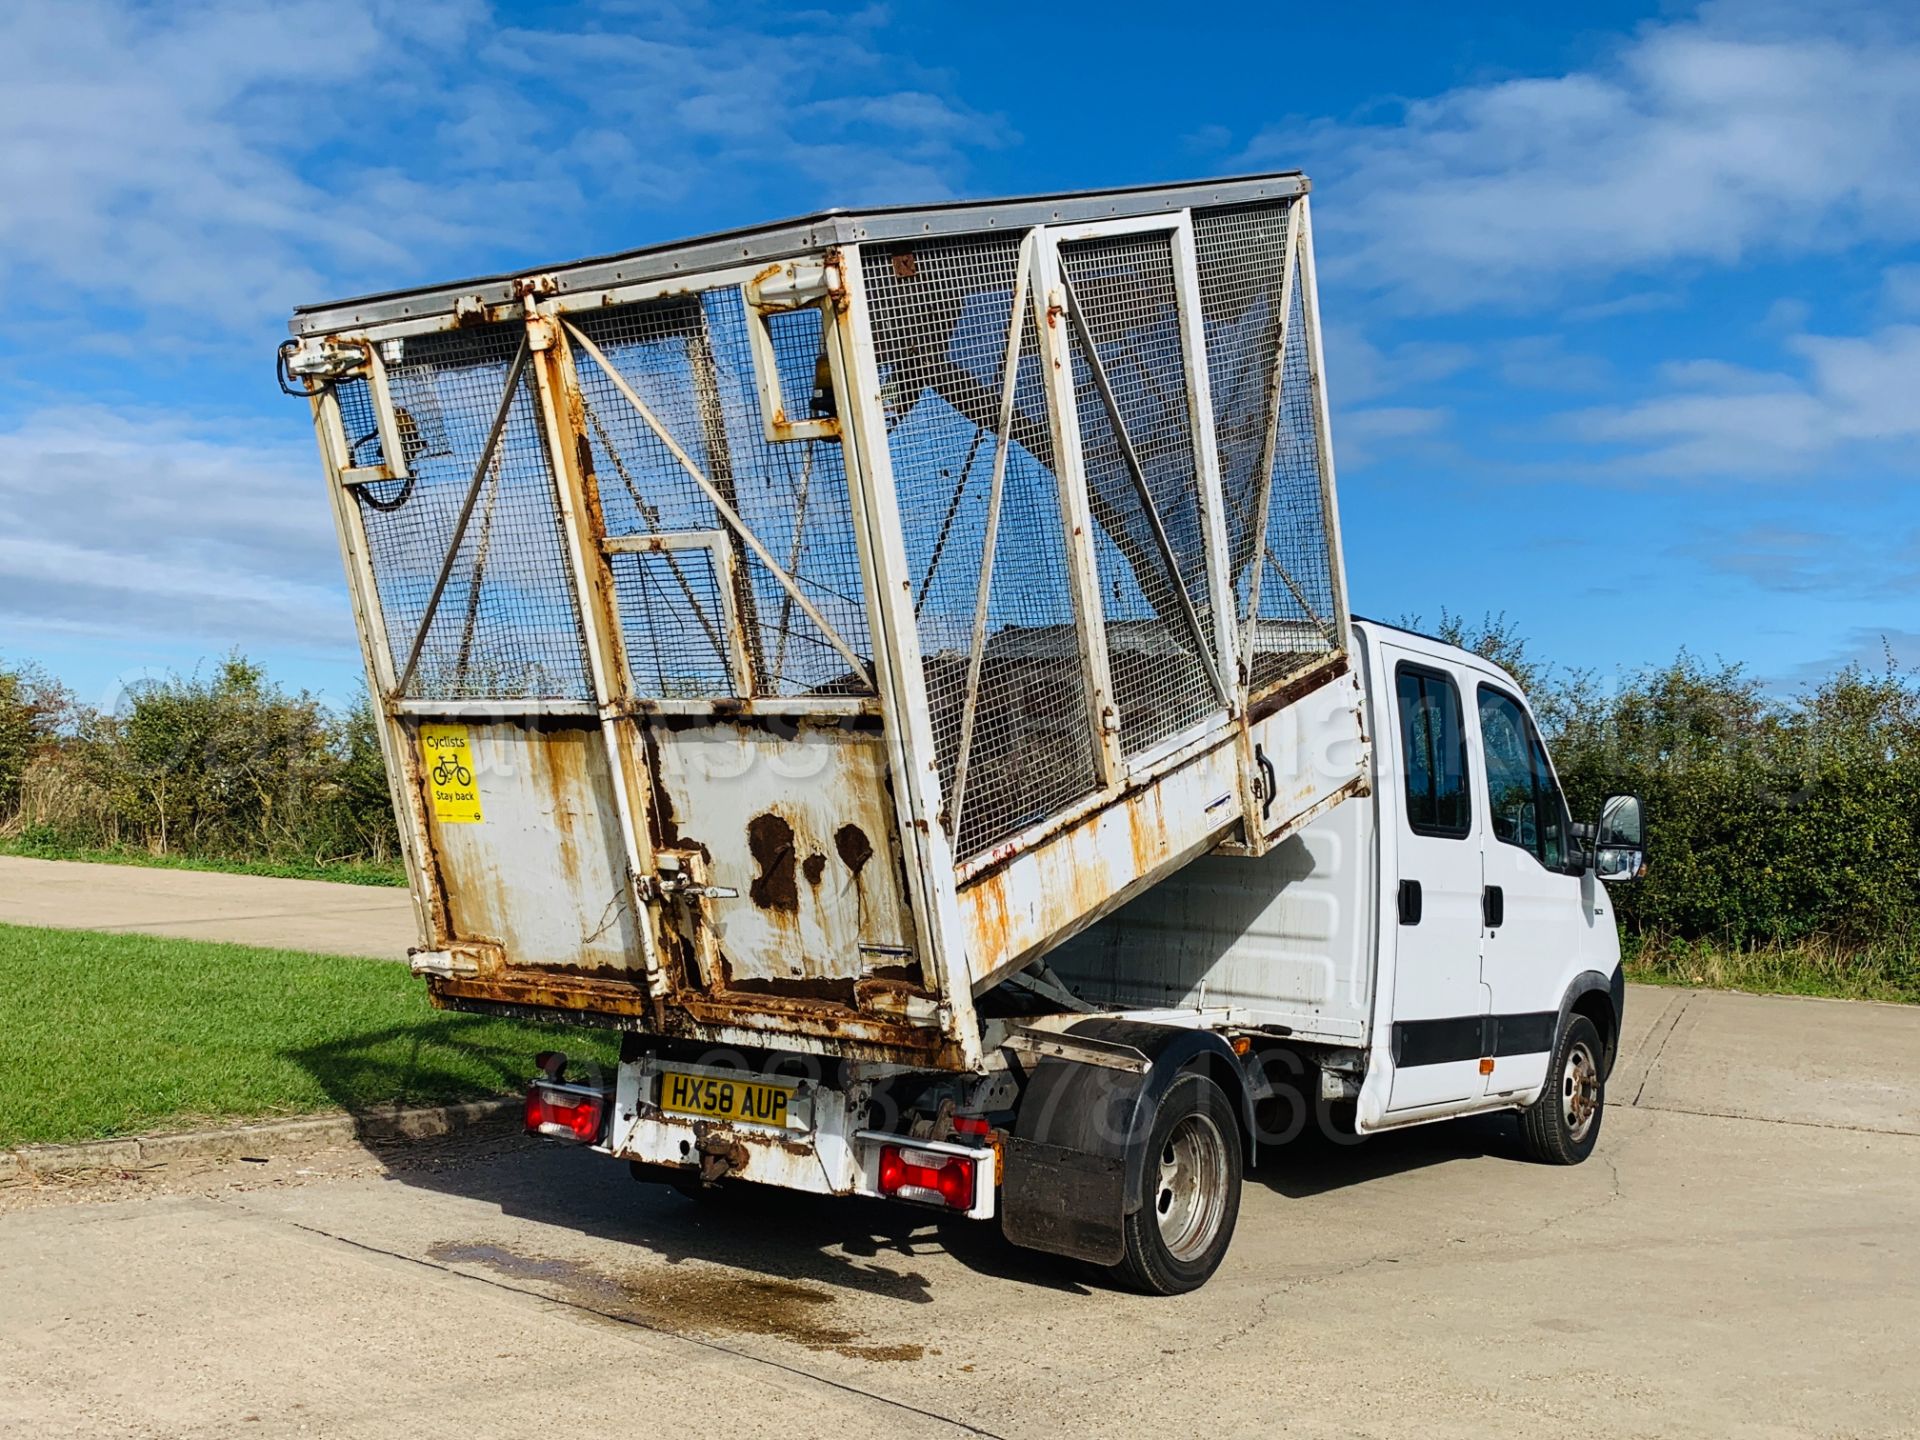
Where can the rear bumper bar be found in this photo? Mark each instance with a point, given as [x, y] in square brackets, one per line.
[828, 1148]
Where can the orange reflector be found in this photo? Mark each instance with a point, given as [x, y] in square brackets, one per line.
[1486, 1065]
[1242, 1044]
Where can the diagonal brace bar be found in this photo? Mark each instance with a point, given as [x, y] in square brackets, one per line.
[507, 396]
[720, 505]
[1139, 476]
[976, 653]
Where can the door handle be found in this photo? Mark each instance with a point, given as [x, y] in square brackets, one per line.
[1410, 902]
[1493, 906]
[1270, 784]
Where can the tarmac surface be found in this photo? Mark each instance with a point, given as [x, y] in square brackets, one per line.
[1741, 1257]
[318, 915]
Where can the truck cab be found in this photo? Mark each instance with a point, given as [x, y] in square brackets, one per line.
[1494, 927]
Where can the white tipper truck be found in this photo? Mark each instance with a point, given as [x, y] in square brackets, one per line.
[894, 666]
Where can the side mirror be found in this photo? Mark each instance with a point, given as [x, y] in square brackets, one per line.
[1620, 845]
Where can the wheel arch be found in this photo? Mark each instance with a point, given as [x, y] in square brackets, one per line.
[1076, 1156]
[1602, 999]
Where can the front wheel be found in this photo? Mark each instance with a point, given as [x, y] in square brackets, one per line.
[1190, 1191]
[1560, 1128]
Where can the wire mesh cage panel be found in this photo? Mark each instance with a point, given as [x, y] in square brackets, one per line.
[940, 316]
[689, 360]
[508, 624]
[1242, 263]
[673, 616]
[1296, 621]
[1158, 649]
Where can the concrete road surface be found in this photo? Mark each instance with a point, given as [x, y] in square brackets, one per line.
[1740, 1258]
[317, 915]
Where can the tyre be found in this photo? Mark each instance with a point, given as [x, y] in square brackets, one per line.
[1560, 1128]
[1190, 1191]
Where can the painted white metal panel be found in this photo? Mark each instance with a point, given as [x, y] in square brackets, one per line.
[540, 873]
[796, 821]
[1284, 938]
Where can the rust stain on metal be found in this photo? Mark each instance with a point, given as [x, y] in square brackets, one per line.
[770, 840]
[905, 265]
[813, 867]
[1284, 694]
[854, 847]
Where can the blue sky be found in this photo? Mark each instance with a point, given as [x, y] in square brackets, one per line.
[1623, 310]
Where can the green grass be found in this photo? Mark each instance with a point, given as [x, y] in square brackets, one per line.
[1876, 972]
[348, 872]
[106, 1035]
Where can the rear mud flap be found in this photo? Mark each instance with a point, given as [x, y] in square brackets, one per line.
[1065, 1202]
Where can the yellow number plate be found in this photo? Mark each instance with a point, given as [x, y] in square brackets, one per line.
[753, 1101]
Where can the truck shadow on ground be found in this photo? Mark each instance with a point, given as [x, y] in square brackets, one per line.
[785, 1238]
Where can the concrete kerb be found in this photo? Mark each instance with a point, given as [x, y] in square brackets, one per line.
[273, 1137]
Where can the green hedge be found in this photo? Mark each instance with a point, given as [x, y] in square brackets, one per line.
[1773, 819]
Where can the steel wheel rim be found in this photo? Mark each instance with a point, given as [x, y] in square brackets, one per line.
[1580, 1090]
[1190, 1196]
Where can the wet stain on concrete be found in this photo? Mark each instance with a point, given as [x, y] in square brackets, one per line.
[702, 1300]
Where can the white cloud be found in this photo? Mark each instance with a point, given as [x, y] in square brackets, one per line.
[147, 523]
[1743, 132]
[1720, 419]
[233, 159]
[1363, 436]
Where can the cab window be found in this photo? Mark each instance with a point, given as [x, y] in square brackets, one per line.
[1525, 807]
[1433, 753]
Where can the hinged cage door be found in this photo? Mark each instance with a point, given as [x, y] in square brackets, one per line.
[738, 597]
[1139, 415]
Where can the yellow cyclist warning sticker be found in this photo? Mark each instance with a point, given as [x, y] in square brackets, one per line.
[448, 751]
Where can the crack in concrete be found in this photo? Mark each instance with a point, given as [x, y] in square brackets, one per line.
[1661, 1049]
[1777, 1120]
[618, 1319]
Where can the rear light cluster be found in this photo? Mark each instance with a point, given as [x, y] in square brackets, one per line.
[565, 1113]
[909, 1174]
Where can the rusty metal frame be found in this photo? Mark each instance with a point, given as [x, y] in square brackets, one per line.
[559, 394]
[932, 896]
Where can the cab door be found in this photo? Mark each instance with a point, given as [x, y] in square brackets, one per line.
[1534, 912]
[1439, 1002]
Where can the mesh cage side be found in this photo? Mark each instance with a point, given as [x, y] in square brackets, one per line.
[1296, 623]
[1242, 255]
[359, 423]
[672, 614]
[508, 624]
[690, 359]
[940, 315]
[1125, 287]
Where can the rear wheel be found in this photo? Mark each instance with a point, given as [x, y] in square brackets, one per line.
[1190, 1191]
[1562, 1126]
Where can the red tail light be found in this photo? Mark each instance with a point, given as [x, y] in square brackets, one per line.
[924, 1175]
[565, 1113]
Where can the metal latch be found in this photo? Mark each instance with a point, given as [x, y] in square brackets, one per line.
[680, 878]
